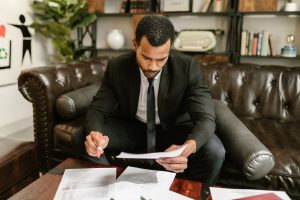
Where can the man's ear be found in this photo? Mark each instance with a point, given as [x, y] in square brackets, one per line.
[134, 45]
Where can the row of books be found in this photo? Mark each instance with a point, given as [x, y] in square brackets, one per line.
[138, 6]
[257, 43]
[142, 6]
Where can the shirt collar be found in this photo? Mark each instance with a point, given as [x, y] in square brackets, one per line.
[145, 79]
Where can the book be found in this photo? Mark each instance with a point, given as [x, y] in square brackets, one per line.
[250, 40]
[243, 42]
[225, 5]
[206, 5]
[254, 44]
[259, 44]
[265, 43]
[271, 45]
[218, 6]
[197, 5]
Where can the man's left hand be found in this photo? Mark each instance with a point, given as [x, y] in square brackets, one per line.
[179, 163]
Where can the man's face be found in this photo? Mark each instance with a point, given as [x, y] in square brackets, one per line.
[151, 59]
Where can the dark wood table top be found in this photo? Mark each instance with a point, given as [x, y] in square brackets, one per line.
[45, 187]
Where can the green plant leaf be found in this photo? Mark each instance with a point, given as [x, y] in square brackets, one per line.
[56, 19]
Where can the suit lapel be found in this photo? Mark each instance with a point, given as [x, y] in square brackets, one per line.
[134, 87]
[163, 90]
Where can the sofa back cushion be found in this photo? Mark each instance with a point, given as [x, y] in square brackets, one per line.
[256, 91]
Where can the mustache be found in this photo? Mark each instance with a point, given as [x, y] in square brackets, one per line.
[151, 71]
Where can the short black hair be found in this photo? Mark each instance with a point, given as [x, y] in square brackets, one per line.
[157, 29]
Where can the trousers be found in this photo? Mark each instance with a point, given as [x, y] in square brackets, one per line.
[131, 136]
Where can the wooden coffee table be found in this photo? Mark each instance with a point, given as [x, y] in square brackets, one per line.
[45, 187]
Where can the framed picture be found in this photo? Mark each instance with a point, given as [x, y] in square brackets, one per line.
[176, 5]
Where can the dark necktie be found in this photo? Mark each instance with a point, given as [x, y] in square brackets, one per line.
[150, 117]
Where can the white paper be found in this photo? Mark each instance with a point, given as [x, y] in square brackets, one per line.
[229, 194]
[156, 155]
[164, 194]
[135, 183]
[87, 183]
[144, 177]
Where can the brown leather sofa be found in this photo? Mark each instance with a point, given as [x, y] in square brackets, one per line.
[261, 138]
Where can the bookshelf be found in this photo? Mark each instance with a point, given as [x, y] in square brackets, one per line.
[278, 24]
[231, 20]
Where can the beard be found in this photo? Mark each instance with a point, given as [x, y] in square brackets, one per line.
[150, 74]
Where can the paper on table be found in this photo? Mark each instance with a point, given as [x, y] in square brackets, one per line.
[132, 191]
[156, 155]
[229, 194]
[146, 176]
[135, 183]
[91, 183]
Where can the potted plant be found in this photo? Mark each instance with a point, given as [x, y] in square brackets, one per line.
[56, 19]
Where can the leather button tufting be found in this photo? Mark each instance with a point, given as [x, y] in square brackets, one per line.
[274, 82]
[217, 77]
[244, 80]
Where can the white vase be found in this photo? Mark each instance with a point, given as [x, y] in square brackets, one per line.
[115, 39]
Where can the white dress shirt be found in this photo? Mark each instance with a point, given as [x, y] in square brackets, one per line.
[141, 113]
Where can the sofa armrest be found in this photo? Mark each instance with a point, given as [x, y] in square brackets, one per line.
[43, 85]
[242, 146]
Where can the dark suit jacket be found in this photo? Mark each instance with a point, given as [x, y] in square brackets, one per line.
[183, 98]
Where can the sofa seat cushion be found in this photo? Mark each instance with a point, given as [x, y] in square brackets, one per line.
[63, 133]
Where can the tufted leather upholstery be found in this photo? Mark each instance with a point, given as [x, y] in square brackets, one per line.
[42, 86]
[264, 98]
[267, 100]
[257, 91]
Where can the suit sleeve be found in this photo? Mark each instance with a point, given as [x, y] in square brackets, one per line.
[199, 106]
[104, 104]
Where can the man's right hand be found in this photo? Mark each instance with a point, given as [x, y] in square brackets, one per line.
[95, 143]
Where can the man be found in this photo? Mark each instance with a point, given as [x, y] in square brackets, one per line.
[184, 114]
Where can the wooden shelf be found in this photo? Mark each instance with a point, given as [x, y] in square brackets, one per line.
[273, 57]
[279, 13]
[166, 14]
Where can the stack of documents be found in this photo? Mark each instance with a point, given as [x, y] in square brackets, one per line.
[134, 183]
[101, 183]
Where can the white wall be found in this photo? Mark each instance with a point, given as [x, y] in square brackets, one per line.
[15, 111]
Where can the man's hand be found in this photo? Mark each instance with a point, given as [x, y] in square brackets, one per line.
[178, 164]
[95, 143]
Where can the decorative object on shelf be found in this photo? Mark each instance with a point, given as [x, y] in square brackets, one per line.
[197, 40]
[95, 6]
[290, 6]
[289, 50]
[115, 39]
[176, 6]
[258, 5]
[56, 20]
